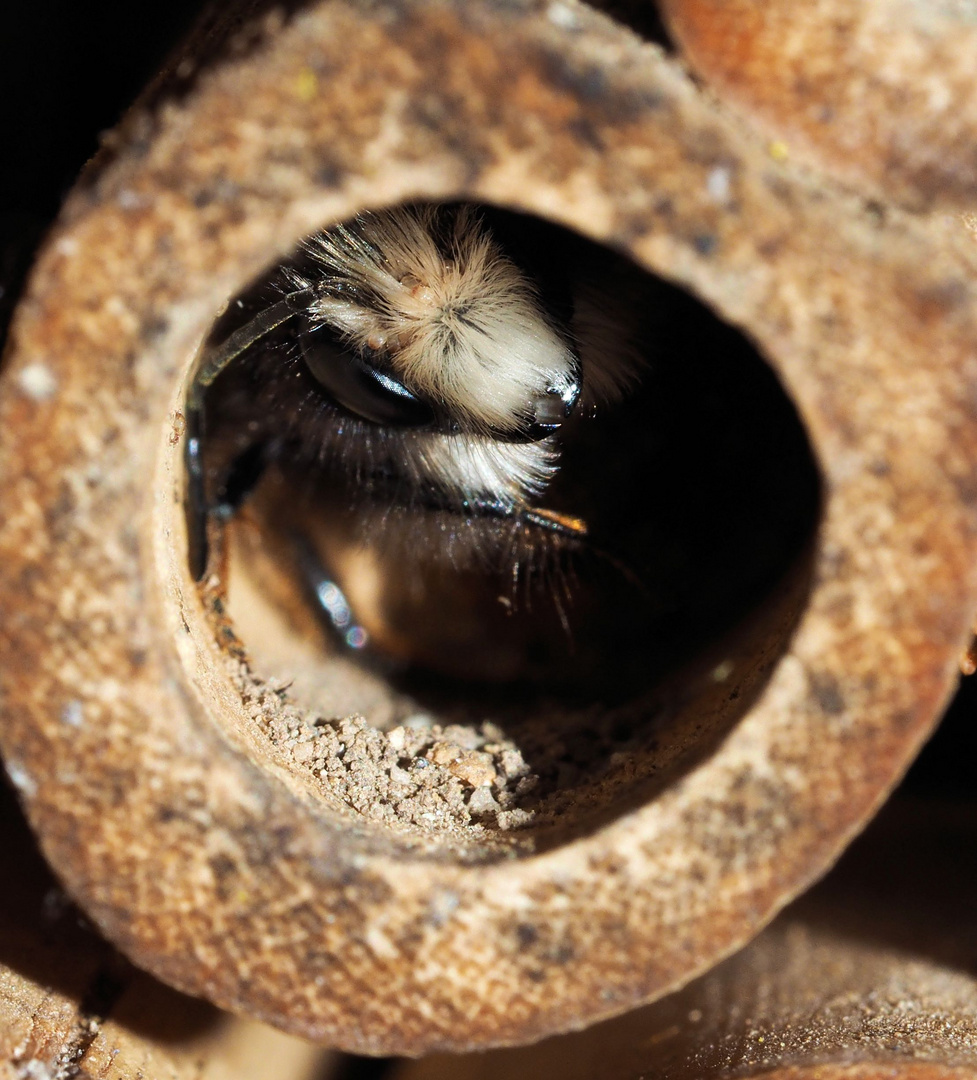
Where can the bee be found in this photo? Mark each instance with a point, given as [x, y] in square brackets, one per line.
[433, 361]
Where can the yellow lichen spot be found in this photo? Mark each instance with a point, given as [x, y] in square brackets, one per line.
[779, 150]
[306, 84]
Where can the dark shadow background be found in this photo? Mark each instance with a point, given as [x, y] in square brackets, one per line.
[68, 70]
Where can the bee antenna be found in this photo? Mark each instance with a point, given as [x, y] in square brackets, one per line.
[211, 363]
[214, 360]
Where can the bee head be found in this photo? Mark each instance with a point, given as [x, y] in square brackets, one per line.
[439, 328]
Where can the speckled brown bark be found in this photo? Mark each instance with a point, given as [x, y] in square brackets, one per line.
[880, 92]
[870, 976]
[220, 870]
[152, 1033]
[71, 1006]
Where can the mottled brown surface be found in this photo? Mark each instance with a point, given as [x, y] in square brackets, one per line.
[219, 870]
[873, 974]
[71, 1006]
[880, 92]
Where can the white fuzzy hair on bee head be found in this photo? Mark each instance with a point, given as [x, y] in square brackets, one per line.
[455, 319]
[475, 466]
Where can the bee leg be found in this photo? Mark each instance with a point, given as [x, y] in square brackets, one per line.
[238, 481]
[566, 527]
[242, 476]
[195, 499]
[563, 525]
[327, 597]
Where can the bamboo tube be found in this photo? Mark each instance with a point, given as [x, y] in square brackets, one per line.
[879, 93]
[70, 1005]
[146, 757]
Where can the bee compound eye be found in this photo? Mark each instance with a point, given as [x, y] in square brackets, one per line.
[359, 387]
